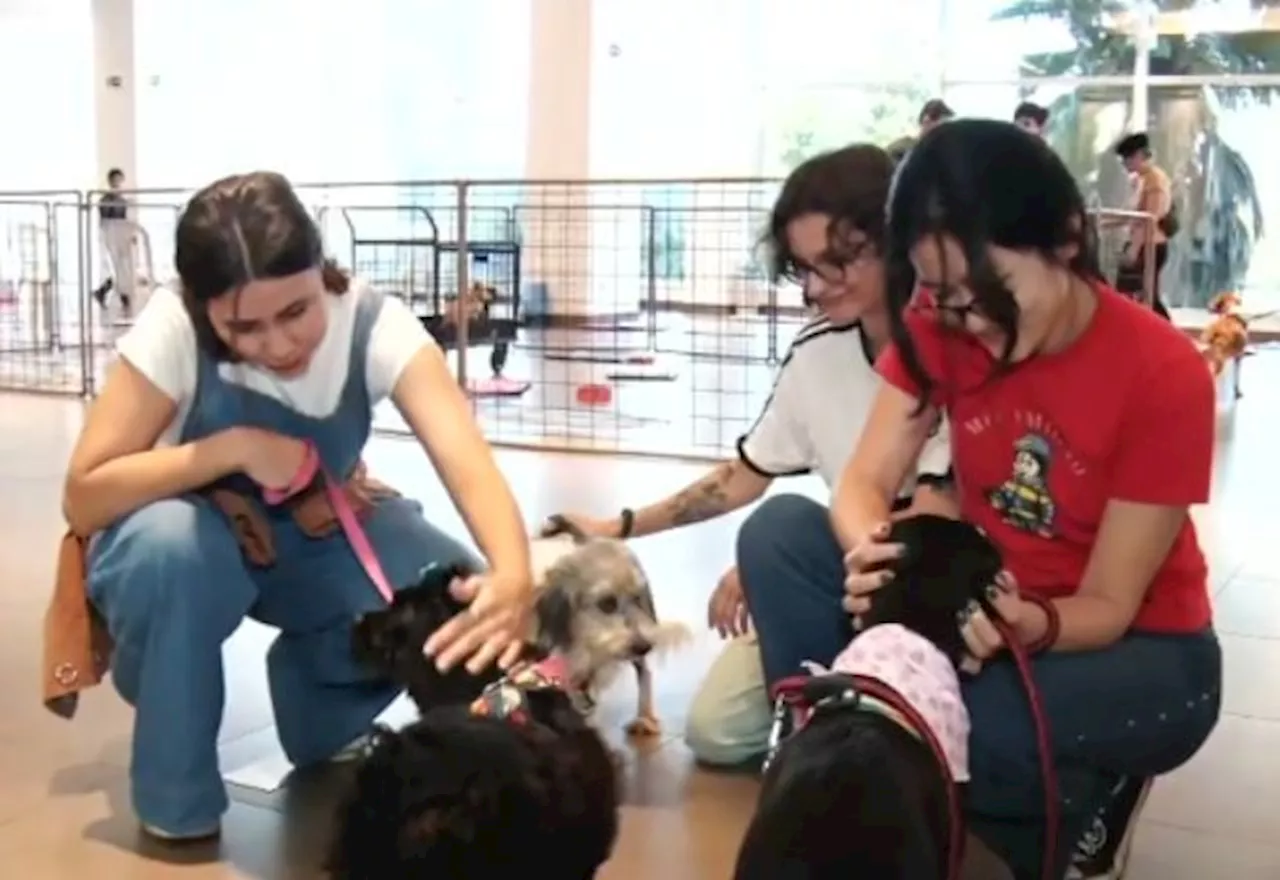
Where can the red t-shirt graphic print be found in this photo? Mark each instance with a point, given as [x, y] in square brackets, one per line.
[1038, 450]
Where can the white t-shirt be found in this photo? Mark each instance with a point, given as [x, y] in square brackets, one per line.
[820, 401]
[161, 344]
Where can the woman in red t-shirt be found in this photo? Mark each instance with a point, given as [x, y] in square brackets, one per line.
[1082, 433]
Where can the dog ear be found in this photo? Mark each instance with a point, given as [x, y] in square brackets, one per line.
[555, 617]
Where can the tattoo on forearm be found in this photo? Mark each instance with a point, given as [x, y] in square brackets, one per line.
[703, 500]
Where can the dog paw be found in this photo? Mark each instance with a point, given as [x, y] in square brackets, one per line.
[643, 727]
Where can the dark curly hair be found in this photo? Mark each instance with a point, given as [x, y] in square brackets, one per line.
[849, 186]
[239, 229]
[460, 796]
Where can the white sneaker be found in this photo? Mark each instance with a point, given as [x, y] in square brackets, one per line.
[192, 837]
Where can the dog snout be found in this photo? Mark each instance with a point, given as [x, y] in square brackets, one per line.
[640, 646]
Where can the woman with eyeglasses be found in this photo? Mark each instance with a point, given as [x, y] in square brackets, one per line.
[1082, 434]
[826, 235]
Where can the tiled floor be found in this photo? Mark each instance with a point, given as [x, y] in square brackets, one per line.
[64, 813]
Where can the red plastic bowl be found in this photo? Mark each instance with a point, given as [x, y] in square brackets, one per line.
[594, 395]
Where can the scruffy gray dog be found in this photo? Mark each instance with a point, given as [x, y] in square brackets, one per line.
[594, 613]
[594, 600]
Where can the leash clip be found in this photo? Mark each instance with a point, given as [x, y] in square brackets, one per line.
[788, 700]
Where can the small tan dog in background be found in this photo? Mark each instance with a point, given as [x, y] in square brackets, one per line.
[474, 304]
[1227, 335]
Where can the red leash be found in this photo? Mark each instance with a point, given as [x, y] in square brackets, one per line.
[788, 696]
[1044, 745]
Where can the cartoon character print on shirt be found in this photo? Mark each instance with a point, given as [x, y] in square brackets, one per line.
[1024, 500]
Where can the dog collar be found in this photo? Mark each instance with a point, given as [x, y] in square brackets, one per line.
[506, 699]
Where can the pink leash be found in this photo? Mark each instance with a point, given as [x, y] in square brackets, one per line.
[347, 520]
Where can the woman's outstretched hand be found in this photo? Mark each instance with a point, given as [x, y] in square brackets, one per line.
[493, 626]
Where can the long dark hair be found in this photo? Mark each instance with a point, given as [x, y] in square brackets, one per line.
[849, 185]
[239, 229]
[982, 183]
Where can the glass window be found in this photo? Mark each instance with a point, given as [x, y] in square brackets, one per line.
[1216, 143]
[837, 42]
[368, 90]
[801, 121]
[995, 39]
[675, 89]
[992, 40]
[1085, 122]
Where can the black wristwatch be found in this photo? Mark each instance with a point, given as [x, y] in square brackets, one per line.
[628, 517]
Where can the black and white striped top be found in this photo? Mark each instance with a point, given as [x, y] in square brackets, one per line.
[820, 401]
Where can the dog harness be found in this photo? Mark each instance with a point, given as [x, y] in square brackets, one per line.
[913, 667]
[796, 699]
[505, 699]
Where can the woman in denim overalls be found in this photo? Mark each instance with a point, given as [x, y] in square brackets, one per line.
[266, 350]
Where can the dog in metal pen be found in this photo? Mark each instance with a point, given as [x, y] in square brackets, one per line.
[868, 783]
[594, 609]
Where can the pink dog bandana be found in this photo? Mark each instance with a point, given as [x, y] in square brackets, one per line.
[912, 666]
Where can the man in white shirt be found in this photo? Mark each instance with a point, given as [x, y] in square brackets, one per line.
[826, 233]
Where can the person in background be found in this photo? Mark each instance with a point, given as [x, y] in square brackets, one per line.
[265, 355]
[1152, 193]
[118, 235]
[934, 112]
[826, 234]
[1088, 435]
[1031, 117]
[899, 148]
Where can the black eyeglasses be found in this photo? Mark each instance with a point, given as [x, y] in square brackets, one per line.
[927, 301]
[830, 265]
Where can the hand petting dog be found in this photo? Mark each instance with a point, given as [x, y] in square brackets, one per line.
[864, 574]
[492, 627]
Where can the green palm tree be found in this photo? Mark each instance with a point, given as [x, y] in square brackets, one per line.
[1217, 196]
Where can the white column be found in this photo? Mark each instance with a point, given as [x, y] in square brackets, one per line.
[556, 217]
[115, 89]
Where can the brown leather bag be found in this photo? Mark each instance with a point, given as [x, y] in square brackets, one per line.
[77, 645]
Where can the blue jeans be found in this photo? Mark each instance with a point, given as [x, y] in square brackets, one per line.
[1140, 707]
[173, 586]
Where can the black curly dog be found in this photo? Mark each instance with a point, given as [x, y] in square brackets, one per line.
[461, 795]
[389, 641]
[853, 793]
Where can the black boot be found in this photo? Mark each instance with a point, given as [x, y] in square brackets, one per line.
[1104, 850]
